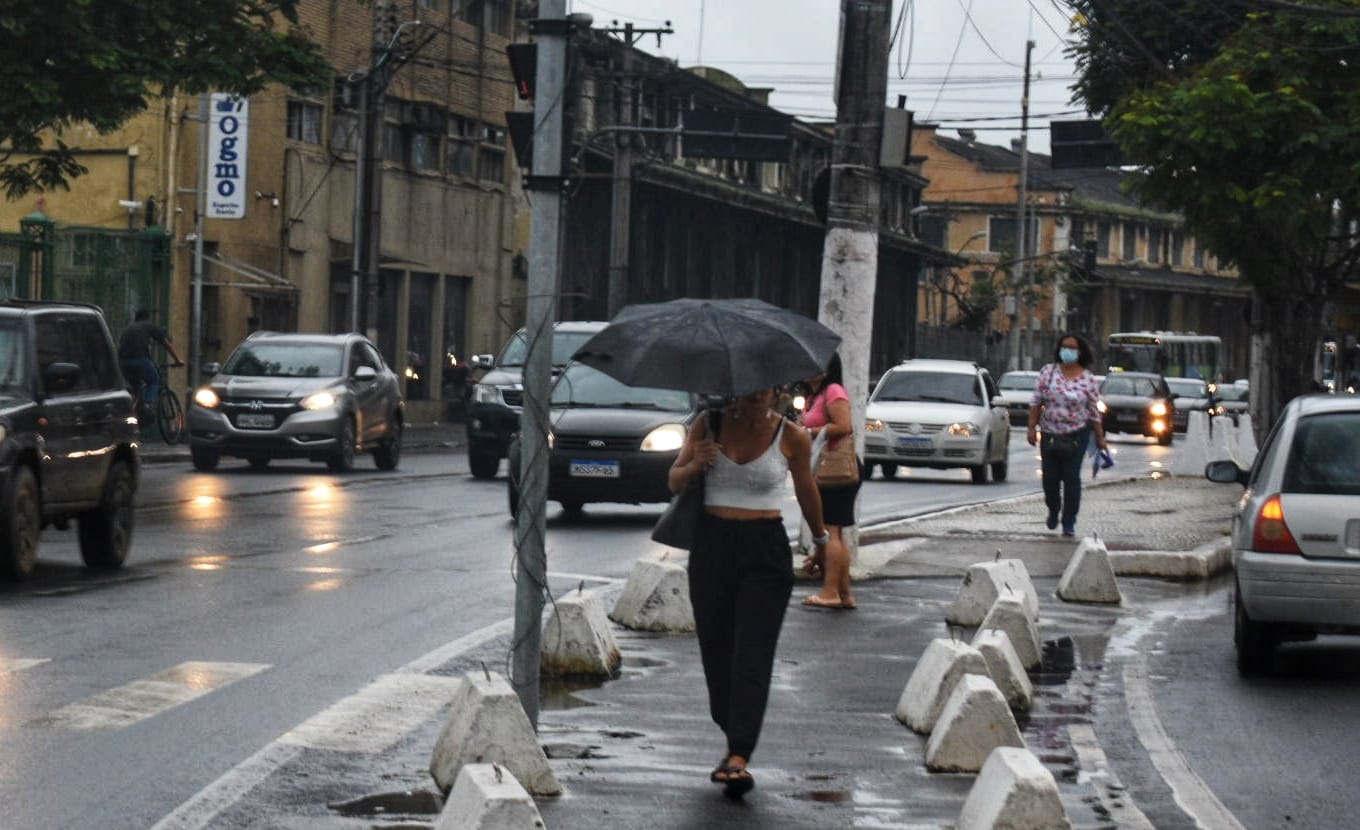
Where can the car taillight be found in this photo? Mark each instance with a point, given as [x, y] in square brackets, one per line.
[1271, 533]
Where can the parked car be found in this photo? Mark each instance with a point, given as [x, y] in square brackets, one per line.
[1016, 389]
[1296, 533]
[1137, 402]
[1190, 395]
[68, 435]
[940, 414]
[1233, 400]
[498, 397]
[609, 442]
[322, 397]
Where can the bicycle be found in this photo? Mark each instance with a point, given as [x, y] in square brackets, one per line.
[168, 413]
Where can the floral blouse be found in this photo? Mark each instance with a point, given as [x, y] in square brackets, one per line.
[1068, 405]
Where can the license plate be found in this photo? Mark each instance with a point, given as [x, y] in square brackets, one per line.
[595, 469]
[1128, 419]
[250, 420]
[914, 443]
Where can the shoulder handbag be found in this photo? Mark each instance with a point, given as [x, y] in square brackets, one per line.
[681, 518]
[837, 465]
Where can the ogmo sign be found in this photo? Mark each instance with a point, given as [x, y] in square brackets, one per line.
[227, 134]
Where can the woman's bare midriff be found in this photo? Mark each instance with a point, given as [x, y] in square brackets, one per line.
[741, 513]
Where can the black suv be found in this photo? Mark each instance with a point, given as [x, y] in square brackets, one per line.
[68, 435]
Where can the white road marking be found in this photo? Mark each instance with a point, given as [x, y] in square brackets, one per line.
[1096, 771]
[377, 716]
[1189, 790]
[141, 699]
[212, 800]
[13, 664]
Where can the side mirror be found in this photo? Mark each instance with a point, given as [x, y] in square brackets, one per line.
[997, 400]
[1225, 472]
[482, 361]
[60, 377]
[365, 373]
[211, 369]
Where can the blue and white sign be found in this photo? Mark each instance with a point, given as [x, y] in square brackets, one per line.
[229, 119]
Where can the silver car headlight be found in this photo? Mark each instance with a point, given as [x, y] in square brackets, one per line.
[207, 398]
[874, 425]
[963, 429]
[665, 438]
[318, 400]
[486, 393]
[1158, 409]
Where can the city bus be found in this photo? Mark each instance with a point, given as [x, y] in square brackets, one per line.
[1168, 353]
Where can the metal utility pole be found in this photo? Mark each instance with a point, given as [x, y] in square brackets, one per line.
[850, 253]
[356, 273]
[200, 210]
[1025, 274]
[621, 205]
[545, 182]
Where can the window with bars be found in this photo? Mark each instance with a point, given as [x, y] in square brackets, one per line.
[1130, 251]
[461, 156]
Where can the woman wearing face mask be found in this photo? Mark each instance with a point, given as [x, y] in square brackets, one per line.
[1063, 409]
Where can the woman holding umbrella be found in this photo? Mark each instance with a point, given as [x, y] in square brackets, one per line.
[740, 575]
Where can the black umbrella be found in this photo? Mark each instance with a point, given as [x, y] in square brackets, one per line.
[712, 347]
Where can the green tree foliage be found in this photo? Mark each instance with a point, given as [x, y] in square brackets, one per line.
[101, 61]
[1244, 115]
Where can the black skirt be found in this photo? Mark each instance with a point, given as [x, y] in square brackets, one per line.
[838, 503]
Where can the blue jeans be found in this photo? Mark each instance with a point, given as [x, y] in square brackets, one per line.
[144, 380]
[1061, 458]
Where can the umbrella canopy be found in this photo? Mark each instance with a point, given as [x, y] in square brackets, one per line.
[727, 347]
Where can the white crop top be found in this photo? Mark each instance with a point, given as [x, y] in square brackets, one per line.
[759, 484]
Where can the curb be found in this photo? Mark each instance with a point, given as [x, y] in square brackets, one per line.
[1201, 563]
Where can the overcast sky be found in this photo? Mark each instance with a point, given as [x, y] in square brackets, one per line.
[959, 62]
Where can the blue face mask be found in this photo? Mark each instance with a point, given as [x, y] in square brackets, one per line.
[1068, 355]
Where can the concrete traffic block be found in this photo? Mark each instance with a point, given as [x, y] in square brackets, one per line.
[936, 673]
[577, 639]
[1089, 575]
[1014, 791]
[487, 797]
[1008, 614]
[1003, 666]
[1222, 439]
[655, 598]
[1246, 442]
[487, 724]
[1192, 450]
[984, 582]
[975, 721]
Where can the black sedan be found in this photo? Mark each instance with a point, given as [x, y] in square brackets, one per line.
[1139, 403]
[608, 442]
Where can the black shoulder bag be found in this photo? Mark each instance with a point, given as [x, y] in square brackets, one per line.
[677, 525]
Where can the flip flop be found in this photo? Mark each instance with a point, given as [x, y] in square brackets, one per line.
[739, 782]
[815, 601]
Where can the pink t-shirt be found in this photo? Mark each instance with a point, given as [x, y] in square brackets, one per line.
[816, 416]
[1068, 405]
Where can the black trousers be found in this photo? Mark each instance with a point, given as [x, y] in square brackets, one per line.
[1060, 461]
[740, 581]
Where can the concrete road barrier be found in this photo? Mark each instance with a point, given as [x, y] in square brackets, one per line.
[487, 724]
[1008, 614]
[975, 721]
[655, 598]
[1003, 666]
[1089, 575]
[577, 639]
[937, 672]
[1192, 450]
[487, 797]
[984, 582]
[1014, 791]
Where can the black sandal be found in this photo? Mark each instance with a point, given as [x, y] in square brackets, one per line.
[739, 782]
[723, 768]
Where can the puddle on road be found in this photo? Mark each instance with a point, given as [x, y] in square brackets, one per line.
[417, 802]
[824, 796]
[556, 694]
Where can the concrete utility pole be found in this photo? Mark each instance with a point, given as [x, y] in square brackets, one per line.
[1019, 276]
[850, 253]
[200, 210]
[551, 31]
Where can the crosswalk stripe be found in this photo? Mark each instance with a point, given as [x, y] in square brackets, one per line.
[136, 701]
[377, 716]
[12, 664]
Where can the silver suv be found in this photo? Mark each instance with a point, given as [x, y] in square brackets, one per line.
[498, 397]
[322, 397]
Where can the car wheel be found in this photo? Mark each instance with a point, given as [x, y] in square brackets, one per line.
[343, 459]
[1000, 470]
[388, 453]
[259, 463]
[205, 460]
[483, 464]
[888, 470]
[106, 532]
[979, 473]
[20, 525]
[1255, 641]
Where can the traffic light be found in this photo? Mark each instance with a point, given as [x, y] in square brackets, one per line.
[523, 67]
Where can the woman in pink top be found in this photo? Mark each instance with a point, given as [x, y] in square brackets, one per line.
[1063, 409]
[828, 411]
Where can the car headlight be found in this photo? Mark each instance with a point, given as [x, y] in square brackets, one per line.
[318, 400]
[665, 438]
[874, 425]
[1158, 409]
[207, 398]
[485, 393]
[1101, 407]
[552, 440]
[963, 429]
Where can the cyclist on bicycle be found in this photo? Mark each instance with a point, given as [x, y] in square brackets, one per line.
[134, 356]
